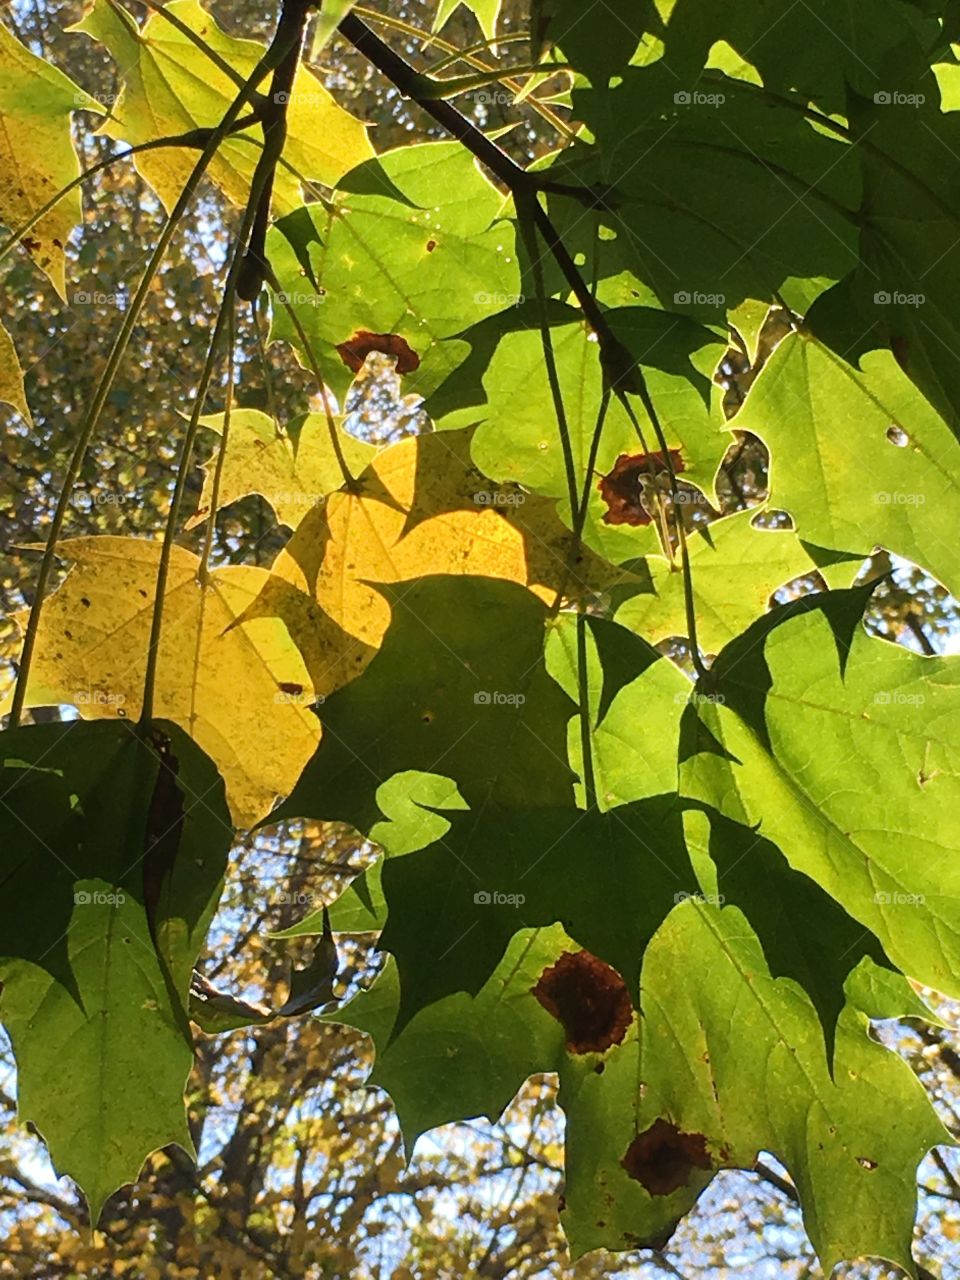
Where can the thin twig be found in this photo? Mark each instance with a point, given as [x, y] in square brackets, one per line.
[348, 478]
[204, 571]
[586, 715]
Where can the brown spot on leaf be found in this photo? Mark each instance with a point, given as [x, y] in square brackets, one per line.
[662, 1158]
[355, 350]
[633, 475]
[588, 998]
[431, 245]
[287, 686]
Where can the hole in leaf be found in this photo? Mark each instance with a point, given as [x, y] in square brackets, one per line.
[662, 1158]
[772, 519]
[897, 436]
[588, 998]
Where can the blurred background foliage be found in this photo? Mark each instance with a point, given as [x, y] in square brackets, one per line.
[301, 1170]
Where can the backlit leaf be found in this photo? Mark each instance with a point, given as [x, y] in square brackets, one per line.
[95, 969]
[292, 469]
[170, 86]
[36, 152]
[241, 691]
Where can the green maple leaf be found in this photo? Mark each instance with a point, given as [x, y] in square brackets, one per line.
[860, 459]
[114, 849]
[460, 691]
[428, 212]
[840, 749]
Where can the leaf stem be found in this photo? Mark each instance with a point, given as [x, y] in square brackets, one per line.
[411, 82]
[688, 597]
[348, 478]
[466, 55]
[256, 312]
[585, 714]
[204, 572]
[581, 517]
[224, 318]
[289, 39]
[451, 87]
[528, 232]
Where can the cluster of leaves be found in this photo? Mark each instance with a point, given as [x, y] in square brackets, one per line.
[689, 900]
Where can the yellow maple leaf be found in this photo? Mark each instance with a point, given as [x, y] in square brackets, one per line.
[171, 86]
[422, 508]
[11, 377]
[241, 691]
[293, 470]
[36, 152]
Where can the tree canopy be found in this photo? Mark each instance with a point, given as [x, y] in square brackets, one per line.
[526, 437]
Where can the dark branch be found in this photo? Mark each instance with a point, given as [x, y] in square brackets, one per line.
[416, 87]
